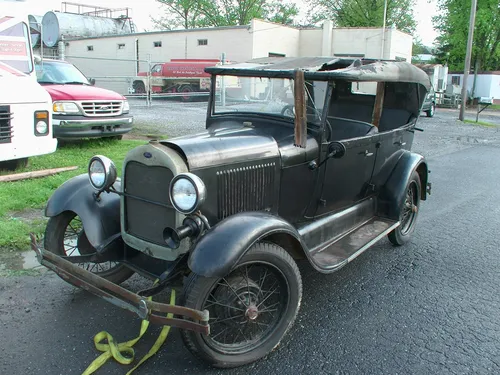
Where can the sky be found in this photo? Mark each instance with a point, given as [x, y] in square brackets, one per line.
[143, 9]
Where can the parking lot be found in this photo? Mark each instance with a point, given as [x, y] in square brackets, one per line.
[430, 307]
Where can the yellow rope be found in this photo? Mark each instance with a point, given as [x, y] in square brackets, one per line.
[123, 352]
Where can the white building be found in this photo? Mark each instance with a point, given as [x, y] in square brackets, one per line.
[487, 84]
[239, 43]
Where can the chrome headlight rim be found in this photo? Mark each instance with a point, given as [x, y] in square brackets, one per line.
[200, 189]
[110, 172]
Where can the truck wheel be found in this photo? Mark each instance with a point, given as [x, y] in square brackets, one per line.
[65, 236]
[186, 89]
[139, 87]
[409, 212]
[251, 309]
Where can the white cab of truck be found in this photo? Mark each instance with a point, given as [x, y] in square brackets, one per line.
[25, 106]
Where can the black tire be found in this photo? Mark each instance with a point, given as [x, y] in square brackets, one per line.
[139, 87]
[198, 289]
[288, 110]
[12, 165]
[186, 89]
[66, 227]
[409, 212]
[430, 112]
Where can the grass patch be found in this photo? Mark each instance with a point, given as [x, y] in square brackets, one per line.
[482, 123]
[33, 194]
[495, 107]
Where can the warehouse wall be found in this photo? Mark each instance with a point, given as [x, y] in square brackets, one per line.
[272, 38]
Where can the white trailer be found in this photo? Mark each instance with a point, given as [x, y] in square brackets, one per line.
[25, 106]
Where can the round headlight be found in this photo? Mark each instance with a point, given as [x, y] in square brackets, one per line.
[187, 192]
[102, 172]
[41, 127]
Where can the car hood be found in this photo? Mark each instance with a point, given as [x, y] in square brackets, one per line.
[228, 145]
[80, 92]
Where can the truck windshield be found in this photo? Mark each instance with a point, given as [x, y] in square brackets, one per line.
[15, 48]
[59, 73]
[268, 96]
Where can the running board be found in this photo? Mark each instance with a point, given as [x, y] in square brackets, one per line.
[353, 244]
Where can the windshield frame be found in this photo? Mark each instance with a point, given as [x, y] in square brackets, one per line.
[54, 65]
[319, 125]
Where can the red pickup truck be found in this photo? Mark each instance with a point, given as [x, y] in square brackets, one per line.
[81, 110]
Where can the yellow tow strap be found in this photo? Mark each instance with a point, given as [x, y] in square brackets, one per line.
[123, 352]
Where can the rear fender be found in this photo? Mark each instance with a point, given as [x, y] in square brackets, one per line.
[221, 249]
[393, 192]
[100, 219]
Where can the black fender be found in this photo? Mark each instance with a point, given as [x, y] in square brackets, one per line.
[100, 218]
[392, 194]
[222, 247]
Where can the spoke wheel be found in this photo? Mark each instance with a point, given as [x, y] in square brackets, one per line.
[250, 309]
[65, 236]
[409, 212]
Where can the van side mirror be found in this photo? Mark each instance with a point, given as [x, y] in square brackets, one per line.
[92, 81]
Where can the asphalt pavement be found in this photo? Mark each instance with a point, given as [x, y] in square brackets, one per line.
[429, 307]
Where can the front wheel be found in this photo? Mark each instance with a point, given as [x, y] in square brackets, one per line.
[409, 212]
[250, 309]
[66, 237]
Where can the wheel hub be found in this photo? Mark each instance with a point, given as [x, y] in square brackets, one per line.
[252, 312]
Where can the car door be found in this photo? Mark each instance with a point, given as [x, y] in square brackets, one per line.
[347, 179]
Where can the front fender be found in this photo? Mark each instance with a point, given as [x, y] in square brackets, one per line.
[100, 219]
[392, 194]
[219, 250]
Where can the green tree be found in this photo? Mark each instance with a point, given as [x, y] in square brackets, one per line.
[364, 13]
[211, 13]
[453, 25]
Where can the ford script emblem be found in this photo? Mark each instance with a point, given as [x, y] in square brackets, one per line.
[148, 155]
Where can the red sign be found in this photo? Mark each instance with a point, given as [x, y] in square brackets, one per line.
[12, 48]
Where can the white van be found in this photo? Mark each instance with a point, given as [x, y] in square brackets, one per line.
[25, 106]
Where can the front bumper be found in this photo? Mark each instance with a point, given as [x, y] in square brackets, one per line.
[86, 127]
[121, 297]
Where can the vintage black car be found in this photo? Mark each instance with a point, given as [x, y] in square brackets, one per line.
[302, 158]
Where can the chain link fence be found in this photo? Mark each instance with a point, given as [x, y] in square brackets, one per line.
[143, 80]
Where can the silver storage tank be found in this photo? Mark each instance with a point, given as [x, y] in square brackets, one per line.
[35, 24]
[68, 25]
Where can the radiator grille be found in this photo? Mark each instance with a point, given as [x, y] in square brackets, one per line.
[6, 131]
[147, 220]
[245, 189]
[99, 108]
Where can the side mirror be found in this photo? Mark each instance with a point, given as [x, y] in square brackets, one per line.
[92, 81]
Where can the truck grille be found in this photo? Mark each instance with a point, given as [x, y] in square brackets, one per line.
[245, 189]
[147, 204]
[102, 108]
[6, 131]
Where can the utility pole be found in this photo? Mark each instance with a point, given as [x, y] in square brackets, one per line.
[383, 31]
[467, 58]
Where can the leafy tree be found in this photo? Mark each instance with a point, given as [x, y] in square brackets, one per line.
[206, 13]
[453, 27]
[364, 13]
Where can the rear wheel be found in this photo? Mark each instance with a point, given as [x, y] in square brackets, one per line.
[65, 236]
[186, 89]
[250, 309]
[409, 212]
[430, 112]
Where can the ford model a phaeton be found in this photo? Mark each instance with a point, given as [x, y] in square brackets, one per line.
[302, 158]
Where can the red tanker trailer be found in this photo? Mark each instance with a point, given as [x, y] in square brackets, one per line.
[185, 76]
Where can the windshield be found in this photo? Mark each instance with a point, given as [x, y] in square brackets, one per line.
[59, 73]
[267, 96]
[15, 49]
